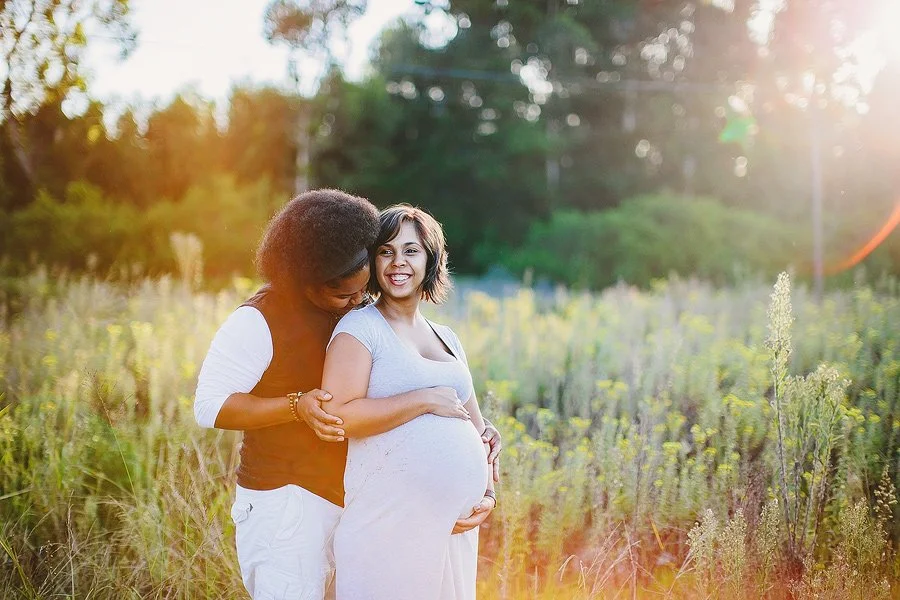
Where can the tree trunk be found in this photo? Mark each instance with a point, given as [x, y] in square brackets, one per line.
[16, 168]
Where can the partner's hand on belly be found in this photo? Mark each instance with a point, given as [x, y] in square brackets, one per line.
[480, 513]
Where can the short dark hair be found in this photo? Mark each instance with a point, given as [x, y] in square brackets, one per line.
[437, 284]
[316, 238]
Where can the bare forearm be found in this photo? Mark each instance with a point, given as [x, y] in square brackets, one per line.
[246, 411]
[370, 416]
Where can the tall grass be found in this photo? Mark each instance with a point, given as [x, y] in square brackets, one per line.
[682, 442]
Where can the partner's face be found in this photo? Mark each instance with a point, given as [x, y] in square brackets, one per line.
[400, 264]
[339, 300]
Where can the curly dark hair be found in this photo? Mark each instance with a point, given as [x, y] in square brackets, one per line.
[317, 238]
[437, 284]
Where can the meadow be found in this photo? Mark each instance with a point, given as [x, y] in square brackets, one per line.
[684, 441]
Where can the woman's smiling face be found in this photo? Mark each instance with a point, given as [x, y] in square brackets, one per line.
[400, 264]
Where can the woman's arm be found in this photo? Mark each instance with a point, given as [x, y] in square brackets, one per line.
[348, 365]
[239, 355]
[246, 411]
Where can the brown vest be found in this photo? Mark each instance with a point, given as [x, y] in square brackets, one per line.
[291, 453]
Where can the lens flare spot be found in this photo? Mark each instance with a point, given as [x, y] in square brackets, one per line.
[870, 246]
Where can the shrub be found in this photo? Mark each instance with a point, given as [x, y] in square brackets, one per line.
[653, 236]
[85, 230]
[228, 219]
[82, 230]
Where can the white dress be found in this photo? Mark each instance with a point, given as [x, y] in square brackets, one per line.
[405, 488]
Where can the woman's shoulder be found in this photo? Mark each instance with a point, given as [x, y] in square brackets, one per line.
[362, 323]
[365, 314]
[440, 326]
[446, 332]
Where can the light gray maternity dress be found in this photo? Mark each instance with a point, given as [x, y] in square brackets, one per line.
[406, 488]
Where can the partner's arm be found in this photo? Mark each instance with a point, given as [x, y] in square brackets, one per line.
[491, 436]
[348, 365]
[239, 354]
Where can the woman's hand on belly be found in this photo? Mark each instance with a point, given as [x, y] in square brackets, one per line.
[443, 402]
[480, 513]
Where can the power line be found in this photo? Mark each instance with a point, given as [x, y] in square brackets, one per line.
[622, 85]
[143, 40]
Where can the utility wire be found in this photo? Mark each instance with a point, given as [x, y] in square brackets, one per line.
[626, 85]
[623, 85]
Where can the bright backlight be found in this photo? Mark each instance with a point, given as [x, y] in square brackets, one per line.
[887, 29]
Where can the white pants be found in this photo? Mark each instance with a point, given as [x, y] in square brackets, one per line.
[285, 543]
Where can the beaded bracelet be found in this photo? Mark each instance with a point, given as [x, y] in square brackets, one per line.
[293, 398]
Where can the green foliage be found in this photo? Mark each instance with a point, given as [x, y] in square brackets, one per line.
[183, 148]
[455, 147]
[858, 569]
[82, 230]
[228, 220]
[810, 420]
[532, 109]
[310, 27]
[260, 142]
[651, 237]
[44, 42]
[625, 416]
[87, 231]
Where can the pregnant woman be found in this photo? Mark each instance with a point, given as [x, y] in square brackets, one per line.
[405, 488]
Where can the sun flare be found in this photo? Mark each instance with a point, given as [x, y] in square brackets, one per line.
[886, 27]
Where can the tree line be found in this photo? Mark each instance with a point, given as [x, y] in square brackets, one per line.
[586, 141]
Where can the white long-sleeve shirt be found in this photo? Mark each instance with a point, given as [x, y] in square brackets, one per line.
[239, 354]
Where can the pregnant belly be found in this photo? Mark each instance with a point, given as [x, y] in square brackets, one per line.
[434, 463]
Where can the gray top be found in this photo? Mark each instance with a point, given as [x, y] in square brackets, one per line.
[396, 366]
[406, 487]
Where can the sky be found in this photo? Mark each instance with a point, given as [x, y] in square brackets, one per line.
[207, 46]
